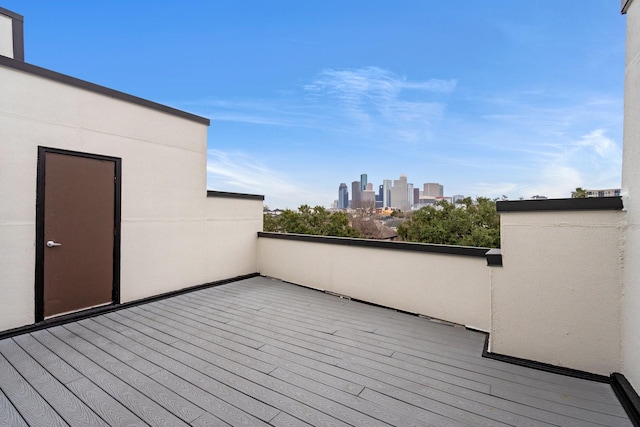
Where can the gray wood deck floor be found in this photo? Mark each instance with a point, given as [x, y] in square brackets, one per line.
[261, 352]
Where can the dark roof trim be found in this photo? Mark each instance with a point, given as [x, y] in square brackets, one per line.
[228, 195]
[575, 373]
[623, 390]
[381, 244]
[494, 258]
[625, 6]
[11, 14]
[92, 87]
[17, 25]
[92, 312]
[590, 203]
[627, 396]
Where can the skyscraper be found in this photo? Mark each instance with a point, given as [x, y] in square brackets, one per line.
[343, 196]
[410, 195]
[363, 182]
[399, 193]
[386, 193]
[355, 194]
[433, 189]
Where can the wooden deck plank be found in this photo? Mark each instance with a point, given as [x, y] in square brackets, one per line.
[9, 415]
[285, 420]
[228, 396]
[604, 402]
[453, 378]
[478, 341]
[49, 360]
[32, 407]
[145, 408]
[198, 338]
[155, 392]
[208, 420]
[249, 373]
[355, 318]
[122, 354]
[207, 401]
[473, 399]
[325, 346]
[110, 410]
[591, 414]
[355, 312]
[434, 418]
[292, 391]
[212, 325]
[315, 410]
[220, 409]
[480, 404]
[65, 403]
[275, 361]
[261, 393]
[381, 413]
[313, 333]
[264, 352]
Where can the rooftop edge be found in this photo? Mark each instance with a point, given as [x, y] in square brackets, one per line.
[580, 204]
[92, 87]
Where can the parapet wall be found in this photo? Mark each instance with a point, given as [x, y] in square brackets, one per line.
[558, 297]
[444, 282]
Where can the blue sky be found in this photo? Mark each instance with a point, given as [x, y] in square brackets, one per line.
[490, 98]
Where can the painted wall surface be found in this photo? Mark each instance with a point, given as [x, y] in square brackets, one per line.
[173, 236]
[631, 191]
[448, 287]
[557, 298]
[6, 36]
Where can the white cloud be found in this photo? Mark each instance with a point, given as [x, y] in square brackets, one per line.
[599, 143]
[371, 98]
[243, 173]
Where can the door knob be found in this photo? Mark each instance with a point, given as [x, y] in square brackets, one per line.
[52, 244]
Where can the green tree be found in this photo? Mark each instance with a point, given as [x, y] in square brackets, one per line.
[468, 224]
[580, 193]
[307, 220]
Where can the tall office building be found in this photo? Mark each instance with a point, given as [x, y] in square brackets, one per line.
[399, 194]
[355, 194]
[410, 201]
[416, 196]
[343, 196]
[368, 199]
[433, 189]
[363, 182]
[386, 193]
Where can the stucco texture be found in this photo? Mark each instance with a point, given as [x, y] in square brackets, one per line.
[557, 298]
[447, 287]
[631, 189]
[172, 234]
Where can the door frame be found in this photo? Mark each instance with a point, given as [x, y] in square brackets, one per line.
[40, 211]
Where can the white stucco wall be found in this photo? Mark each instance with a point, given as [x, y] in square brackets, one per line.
[6, 36]
[173, 236]
[631, 189]
[557, 298]
[448, 287]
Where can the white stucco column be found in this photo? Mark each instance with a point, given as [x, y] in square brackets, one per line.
[631, 192]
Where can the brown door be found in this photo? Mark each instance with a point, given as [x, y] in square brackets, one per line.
[79, 224]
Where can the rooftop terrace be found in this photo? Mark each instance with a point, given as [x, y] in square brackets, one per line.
[264, 352]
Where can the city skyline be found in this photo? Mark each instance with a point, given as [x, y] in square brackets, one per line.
[400, 194]
[493, 98]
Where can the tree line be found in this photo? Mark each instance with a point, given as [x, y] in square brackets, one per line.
[467, 223]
